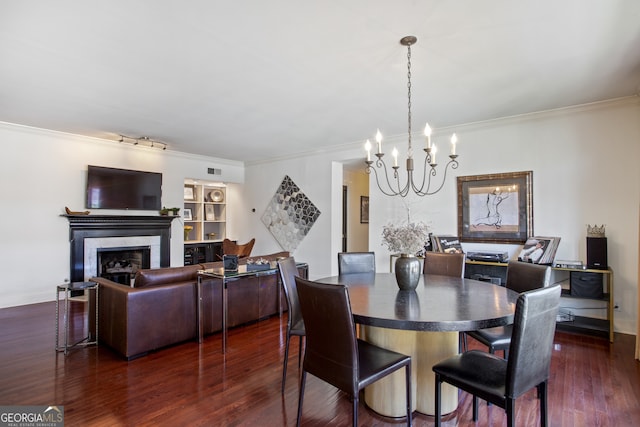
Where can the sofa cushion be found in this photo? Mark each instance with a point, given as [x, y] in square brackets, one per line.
[161, 276]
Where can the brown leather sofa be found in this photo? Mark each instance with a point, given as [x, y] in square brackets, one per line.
[160, 308]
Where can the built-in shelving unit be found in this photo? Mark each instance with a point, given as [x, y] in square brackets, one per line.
[205, 212]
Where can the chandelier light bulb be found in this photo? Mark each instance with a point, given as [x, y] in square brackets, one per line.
[379, 141]
[454, 140]
[367, 146]
[394, 153]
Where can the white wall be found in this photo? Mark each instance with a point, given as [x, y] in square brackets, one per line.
[585, 171]
[43, 171]
[584, 162]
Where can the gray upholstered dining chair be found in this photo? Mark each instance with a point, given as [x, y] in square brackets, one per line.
[295, 325]
[501, 381]
[356, 262]
[521, 277]
[334, 354]
[444, 264]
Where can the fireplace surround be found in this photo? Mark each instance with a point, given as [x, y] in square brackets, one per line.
[83, 227]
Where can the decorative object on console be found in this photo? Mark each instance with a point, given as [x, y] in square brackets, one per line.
[258, 264]
[289, 215]
[539, 250]
[230, 262]
[430, 150]
[447, 244]
[495, 208]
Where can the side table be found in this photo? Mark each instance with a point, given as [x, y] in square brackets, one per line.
[68, 288]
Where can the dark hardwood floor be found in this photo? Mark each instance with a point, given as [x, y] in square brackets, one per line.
[593, 383]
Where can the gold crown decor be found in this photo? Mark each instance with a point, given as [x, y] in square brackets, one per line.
[595, 231]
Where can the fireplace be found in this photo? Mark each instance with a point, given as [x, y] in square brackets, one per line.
[90, 233]
[121, 264]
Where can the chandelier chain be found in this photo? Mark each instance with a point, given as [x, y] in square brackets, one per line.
[410, 153]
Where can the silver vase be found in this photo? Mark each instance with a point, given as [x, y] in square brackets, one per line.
[407, 271]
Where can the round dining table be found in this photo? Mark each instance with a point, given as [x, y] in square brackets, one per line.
[423, 323]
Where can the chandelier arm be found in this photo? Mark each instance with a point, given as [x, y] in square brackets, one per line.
[419, 191]
[454, 165]
[370, 168]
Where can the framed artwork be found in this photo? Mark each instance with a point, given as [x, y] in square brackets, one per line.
[495, 208]
[364, 209]
[187, 214]
[209, 213]
[189, 192]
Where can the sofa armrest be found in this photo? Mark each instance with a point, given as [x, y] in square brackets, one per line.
[134, 321]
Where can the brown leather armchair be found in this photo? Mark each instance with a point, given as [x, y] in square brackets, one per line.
[232, 248]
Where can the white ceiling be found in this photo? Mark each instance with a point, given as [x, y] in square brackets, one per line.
[252, 79]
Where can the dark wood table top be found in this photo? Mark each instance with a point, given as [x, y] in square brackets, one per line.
[439, 303]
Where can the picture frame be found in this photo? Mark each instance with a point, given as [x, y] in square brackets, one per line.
[495, 208]
[189, 192]
[364, 209]
[209, 213]
[187, 214]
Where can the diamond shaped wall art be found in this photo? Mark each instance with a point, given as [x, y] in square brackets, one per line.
[289, 215]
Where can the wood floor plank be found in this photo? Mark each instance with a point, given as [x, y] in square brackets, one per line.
[592, 381]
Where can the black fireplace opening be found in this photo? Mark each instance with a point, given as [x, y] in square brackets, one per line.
[121, 264]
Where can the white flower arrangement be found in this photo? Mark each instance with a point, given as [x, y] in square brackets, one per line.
[405, 239]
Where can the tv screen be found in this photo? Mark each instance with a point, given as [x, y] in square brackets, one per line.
[111, 188]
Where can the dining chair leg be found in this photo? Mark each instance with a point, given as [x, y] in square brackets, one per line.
[286, 361]
[356, 399]
[542, 390]
[300, 352]
[510, 408]
[303, 379]
[475, 408]
[408, 387]
[437, 399]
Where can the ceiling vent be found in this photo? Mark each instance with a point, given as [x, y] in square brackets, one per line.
[214, 171]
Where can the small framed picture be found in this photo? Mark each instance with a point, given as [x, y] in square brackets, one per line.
[364, 209]
[209, 213]
[187, 214]
[189, 192]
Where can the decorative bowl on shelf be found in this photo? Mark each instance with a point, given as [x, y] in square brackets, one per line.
[216, 196]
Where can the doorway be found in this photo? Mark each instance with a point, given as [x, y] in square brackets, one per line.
[355, 218]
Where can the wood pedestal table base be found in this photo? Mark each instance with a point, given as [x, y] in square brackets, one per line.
[387, 396]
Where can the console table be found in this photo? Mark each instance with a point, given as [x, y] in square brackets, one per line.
[582, 324]
[227, 278]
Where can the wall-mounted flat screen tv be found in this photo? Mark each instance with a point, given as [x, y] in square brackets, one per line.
[111, 188]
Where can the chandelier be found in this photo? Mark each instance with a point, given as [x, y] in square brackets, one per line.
[393, 186]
